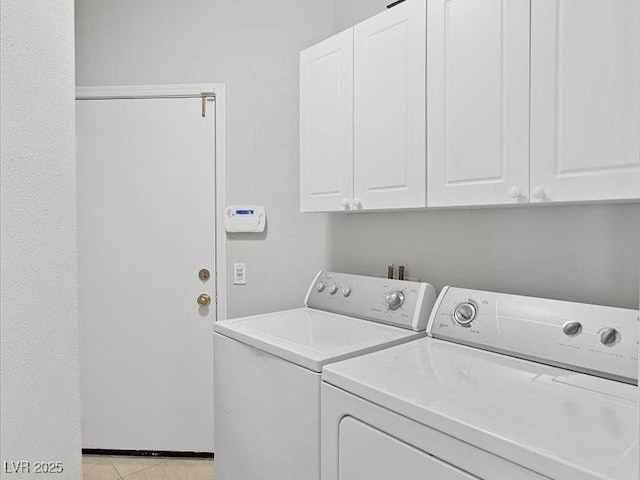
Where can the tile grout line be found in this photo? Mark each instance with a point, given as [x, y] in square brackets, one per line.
[113, 463]
[116, 470]
[138, 471]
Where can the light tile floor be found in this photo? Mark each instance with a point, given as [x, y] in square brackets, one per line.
[100, 467]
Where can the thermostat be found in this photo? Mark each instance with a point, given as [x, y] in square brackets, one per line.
[251, 219]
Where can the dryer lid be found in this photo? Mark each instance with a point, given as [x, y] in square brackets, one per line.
[553, 421]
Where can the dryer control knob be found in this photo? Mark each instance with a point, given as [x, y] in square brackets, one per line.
[333, 289]
[465, 313]
[320, 286]
[346, 291]
[394, 300]
[609, 336]
[572, 329]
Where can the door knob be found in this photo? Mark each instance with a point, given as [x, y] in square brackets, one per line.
[204, 299]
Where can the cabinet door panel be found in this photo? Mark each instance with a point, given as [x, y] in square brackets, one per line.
[477, 102]
[389, 108]
[326, 124]
[585, 91]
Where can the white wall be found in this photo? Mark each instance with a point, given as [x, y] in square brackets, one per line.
[40, 414]
[350, 12]
[252, 46]
[577, 253]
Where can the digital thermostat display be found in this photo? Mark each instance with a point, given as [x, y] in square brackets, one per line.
[245, 219]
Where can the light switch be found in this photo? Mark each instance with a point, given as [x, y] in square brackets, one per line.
[239, 273]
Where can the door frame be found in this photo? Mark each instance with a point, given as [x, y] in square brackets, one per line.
[215, 94]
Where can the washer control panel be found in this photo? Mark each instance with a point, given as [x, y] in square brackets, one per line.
[592, 339]
[395, 302]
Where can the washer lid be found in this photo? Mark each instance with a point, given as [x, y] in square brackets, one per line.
[312, 338]
[555, 422]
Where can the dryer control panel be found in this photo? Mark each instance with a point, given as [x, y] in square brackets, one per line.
[592, 339]
[395, 302]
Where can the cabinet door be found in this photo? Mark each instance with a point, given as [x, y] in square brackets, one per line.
[326, 124]
[585, 100]
[389, 108]
[478, 102]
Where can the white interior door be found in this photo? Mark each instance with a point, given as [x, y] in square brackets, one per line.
[146, 216]
[585, 100]
[389, 108]
[477, 102]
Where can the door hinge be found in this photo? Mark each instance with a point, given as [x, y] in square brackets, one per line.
[204, 97]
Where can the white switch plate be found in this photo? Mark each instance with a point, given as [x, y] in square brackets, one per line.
[239, 273]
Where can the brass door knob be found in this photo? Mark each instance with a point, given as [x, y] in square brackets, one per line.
[204, 299]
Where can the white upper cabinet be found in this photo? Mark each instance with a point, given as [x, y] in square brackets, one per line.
[585, 100]
[326, 124]
[474, 102]
[478, 102]
[389, 108]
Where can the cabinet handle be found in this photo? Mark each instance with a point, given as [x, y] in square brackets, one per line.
[356, 203]
[515, 192]
[345, 203]
[539, 193]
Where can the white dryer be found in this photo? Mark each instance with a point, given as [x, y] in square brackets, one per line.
[267, 369]
[505, 387]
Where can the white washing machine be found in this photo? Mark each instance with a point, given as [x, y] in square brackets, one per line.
[504, 387]
[267, 369]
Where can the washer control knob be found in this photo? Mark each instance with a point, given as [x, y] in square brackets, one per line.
[394, 300]
[346, 291]
[609, 336]
[344, 202]
[465, 313]
[333, 289]
[320, 286]
[571, 329]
